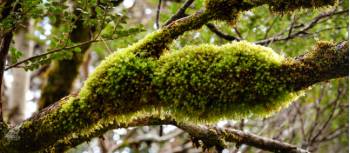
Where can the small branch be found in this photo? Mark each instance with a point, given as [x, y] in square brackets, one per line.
[330, 117]
[238, 33]
[294, 18]
[220, 34]
[158, 13]
[270, 27]
[180, 13]
[146, 138]
[48, 53]
[54, 51]
[214, 135]
[302, 31]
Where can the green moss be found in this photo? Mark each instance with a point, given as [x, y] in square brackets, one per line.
[291, 5]
[209, 83]
[226, 10]
[325, 61]
[121, 85]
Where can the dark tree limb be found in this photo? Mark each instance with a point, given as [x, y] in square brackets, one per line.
[180, 13]
[220, 34]
[158, 13]
[4, 49]
[216, 137]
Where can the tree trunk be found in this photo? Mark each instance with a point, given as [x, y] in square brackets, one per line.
[21, 78]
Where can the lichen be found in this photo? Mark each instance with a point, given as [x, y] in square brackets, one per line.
[207, 83]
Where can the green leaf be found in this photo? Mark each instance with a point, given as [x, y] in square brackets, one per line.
[15, 54]
[77, 49]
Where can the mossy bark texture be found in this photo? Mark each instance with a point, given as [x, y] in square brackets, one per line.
[206, 82]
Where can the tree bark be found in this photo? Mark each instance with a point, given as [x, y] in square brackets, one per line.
[21, 78]
[60, 76]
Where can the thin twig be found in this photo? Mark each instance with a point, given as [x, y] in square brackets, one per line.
[180, 13]
[269, 28]
[238, 33]
[303, 30]
[220, 34]
[294, 18]
[107, 46]
[330, 117]
[217, 135]
[47, 53]
[52, 52]
[158, 13]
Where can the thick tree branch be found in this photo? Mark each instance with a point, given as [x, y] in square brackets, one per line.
[74, 115]
[324, 62]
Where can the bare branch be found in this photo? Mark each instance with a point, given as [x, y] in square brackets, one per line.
[302, 31]
[180, 13]
[214, 136]
[220, 34]
[158, 13]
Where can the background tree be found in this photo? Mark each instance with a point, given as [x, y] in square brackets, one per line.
[164, 93]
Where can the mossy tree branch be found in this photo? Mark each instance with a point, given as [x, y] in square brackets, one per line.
[88, 112]
[133, 81]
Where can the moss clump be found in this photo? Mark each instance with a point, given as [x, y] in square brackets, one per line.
[121, 84]
[291, 5]
[226, 10]
[208, 83]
